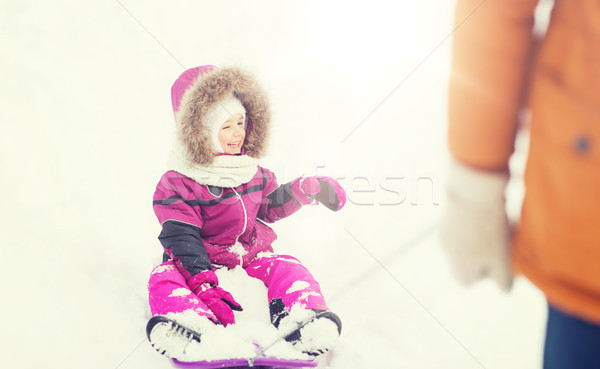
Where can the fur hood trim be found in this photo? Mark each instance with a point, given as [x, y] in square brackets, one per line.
[208, 88]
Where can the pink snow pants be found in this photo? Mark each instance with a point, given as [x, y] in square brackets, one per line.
[285, 277]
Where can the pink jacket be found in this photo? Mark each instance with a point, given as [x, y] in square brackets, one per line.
[205, 225]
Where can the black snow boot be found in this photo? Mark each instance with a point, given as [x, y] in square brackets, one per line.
[169, 337]
[313, 337]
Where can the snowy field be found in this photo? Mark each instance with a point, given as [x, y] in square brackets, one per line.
[358, 92]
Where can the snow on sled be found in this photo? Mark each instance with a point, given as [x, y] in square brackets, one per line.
[261, 362]
[194, 342]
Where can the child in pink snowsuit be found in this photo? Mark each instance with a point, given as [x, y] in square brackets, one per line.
[214, 203]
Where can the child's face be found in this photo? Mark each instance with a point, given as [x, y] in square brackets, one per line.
[232, 134]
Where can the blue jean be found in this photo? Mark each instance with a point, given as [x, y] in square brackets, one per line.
[571, 343]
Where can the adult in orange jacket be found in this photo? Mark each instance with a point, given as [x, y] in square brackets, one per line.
[500, 69]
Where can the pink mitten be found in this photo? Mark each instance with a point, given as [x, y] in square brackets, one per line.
[332, 195]
[219, 301]
[325, 190]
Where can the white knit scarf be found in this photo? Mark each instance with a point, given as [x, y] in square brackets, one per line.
[225, 170]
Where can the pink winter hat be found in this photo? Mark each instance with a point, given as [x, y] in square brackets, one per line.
[184, 82]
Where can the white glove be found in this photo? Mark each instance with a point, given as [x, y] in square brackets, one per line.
[474, 229]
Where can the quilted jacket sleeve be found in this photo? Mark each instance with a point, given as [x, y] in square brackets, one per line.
[178, 212]
[278, 201]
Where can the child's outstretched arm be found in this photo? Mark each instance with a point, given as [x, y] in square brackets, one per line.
[282, 201]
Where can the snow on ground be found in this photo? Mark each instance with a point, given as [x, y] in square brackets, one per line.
[358, 92]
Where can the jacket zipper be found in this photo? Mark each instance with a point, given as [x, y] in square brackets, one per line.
[245, 222]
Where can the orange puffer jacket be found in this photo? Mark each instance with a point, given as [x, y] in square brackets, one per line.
[500, 68]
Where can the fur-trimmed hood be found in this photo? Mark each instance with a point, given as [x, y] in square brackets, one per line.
[198, 89]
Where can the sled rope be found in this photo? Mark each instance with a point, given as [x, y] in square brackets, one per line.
[299, 326]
